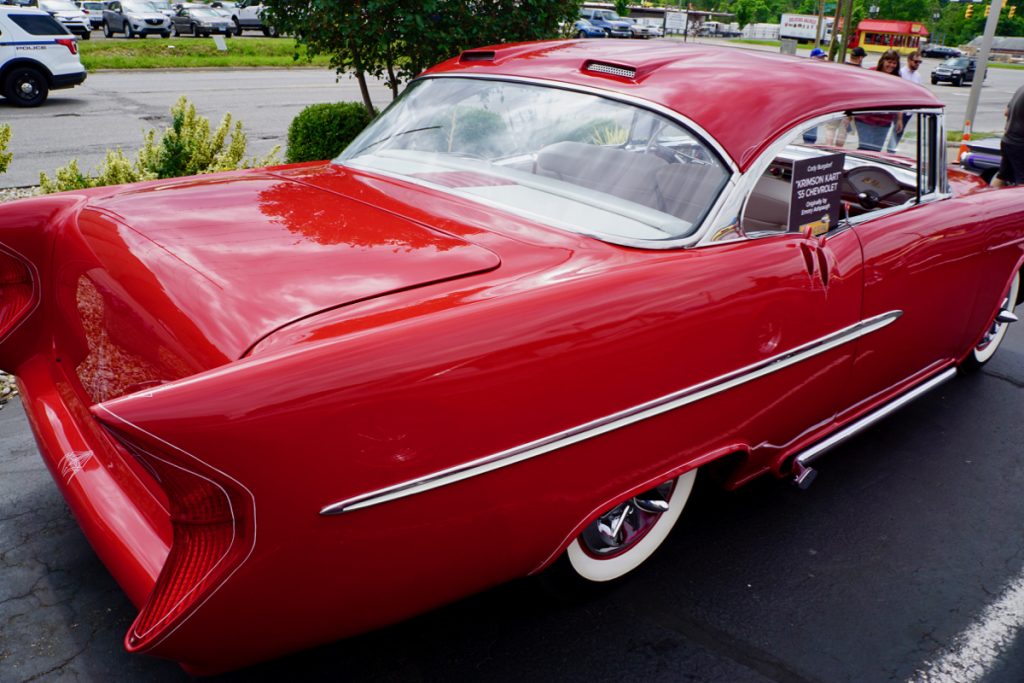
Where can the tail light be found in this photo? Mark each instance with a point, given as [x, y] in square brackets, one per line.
[17, 292]
[213, 533]
[70, 43]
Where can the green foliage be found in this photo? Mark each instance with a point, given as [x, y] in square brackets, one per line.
[5, 138]
[321, 131]
[188, 147]
[622, 8]
[397, 39]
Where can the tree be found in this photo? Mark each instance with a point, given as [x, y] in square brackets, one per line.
[397, 39]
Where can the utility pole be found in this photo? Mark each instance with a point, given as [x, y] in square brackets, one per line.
[819, 31]
[979, 74]
[847, 28]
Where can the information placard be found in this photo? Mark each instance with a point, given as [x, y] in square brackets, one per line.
[816, 199]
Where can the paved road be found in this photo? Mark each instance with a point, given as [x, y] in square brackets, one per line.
[903, 562]
[113, 109]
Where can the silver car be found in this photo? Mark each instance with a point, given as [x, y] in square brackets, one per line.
[135, 19]
[200, 20]
[69, 15]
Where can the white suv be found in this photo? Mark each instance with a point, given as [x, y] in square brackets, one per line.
[37, 55]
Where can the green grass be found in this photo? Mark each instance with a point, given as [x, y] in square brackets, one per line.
[182, 52]
[751, 41]
[955, 136]
[1001, 65]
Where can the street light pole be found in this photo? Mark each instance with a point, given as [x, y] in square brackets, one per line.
[979, 72]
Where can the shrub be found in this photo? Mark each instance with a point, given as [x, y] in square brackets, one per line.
[188, 147]
[5, 156]
[321, 131]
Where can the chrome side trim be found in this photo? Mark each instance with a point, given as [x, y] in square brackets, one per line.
[614, 421]
[816, 451]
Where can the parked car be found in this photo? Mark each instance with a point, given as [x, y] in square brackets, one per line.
[37, 55]
[247, 15]
[955, 70]
[135, 19]
[640, 30]
[163, 6]
[984, 157]
[94, 11]
[584, 29]
[607, 20]
[200, 20]
[940, 51]
[502, 332]
[69, 15]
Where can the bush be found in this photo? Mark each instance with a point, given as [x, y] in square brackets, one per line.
[188, 147]
[321, 131]
[5, 156]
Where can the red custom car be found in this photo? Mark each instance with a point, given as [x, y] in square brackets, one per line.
[504, 330]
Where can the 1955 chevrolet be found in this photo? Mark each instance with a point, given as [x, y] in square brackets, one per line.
[504, 330]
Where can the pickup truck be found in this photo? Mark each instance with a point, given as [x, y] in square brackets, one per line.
[607, 20]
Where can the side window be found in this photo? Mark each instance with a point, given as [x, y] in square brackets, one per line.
[37, 25]
[888, 159]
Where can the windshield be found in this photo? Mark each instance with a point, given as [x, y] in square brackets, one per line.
[568, 159]
[955, 61]
[204, 13]
[58, 6]
[139, 6]
[609, 15]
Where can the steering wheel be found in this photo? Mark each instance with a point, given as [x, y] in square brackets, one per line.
[871, 182]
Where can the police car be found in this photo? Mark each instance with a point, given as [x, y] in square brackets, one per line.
[37, 55]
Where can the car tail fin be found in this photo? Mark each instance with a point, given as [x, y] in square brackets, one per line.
[18, 290]
[213, 521]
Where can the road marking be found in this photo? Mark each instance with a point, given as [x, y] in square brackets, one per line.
[976, 650]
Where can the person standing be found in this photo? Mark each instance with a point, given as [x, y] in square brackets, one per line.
[857, 56]
[872, 129]
[910, 71]
[1011, 167]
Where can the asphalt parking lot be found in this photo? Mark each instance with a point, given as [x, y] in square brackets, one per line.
[903, 562]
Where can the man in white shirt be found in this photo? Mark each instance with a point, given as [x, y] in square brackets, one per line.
[907, 73]
[910, 71]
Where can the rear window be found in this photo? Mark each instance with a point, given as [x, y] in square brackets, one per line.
[38, 24]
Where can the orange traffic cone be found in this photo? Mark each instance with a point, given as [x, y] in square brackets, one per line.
[963, 147]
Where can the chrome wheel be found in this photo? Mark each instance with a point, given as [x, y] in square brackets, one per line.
[619, 540]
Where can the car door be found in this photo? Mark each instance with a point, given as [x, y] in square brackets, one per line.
[922, 259]
[115, 17]
[811, 285]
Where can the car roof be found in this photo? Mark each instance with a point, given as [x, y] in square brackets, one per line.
[744, 98]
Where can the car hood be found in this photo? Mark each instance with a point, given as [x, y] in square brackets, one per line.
[222, 261]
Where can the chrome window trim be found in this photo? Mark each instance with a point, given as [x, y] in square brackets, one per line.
[732, 207]
[670, 114]
[623, 418]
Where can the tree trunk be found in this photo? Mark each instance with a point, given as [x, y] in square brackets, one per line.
[364, 90]
[392, 81]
